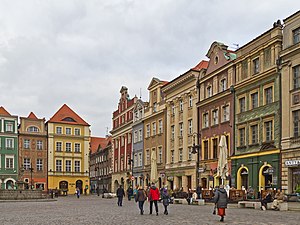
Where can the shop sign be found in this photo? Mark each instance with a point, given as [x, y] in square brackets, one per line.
[275, 179]
[201, 170]
[292, 163]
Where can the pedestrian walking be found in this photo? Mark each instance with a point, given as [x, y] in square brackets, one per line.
[98, 190]
[153, 197]
[120, 194]
[77, 192]
[166, 200]
[221, 200]
[198, 191]
[129, 193]
[141, 198]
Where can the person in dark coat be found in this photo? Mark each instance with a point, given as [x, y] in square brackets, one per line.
[129, 193]
[141, 197]
[153, 197]
[120, 194]
[166, 200]
[265, 201]
[221, 200]
[198, 191]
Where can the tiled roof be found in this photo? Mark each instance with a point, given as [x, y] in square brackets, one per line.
[4, 112]
[201, 65]
[97, 142]
[32, 116]
[66, 115]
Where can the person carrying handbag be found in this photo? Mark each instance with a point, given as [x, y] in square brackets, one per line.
[166, 200]
[141, 198]
[221, 201]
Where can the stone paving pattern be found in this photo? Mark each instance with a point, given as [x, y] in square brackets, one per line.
[96, 210]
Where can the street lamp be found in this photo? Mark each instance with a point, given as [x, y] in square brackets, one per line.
[31, 171]
[197, 149]
[130, 162]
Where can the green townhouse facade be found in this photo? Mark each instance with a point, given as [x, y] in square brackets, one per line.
[256, 160]
[8, 149]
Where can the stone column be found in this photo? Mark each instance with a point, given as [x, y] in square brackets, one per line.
[185, 127]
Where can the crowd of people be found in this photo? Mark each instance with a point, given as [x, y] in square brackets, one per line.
[220, 198]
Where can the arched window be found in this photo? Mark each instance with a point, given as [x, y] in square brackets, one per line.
[33, 129]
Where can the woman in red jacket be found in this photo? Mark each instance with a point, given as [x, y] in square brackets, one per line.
[153, 197]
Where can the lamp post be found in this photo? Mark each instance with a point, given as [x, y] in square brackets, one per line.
[31, 171]
[130, 162]
[197, 149]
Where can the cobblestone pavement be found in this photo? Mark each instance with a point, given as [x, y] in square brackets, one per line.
[95, 210]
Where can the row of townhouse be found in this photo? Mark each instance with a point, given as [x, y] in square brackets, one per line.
[250, 96]
[44, 155]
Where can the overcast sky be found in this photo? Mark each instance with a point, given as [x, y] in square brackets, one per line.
[81, 52]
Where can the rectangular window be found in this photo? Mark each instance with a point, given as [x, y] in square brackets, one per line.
[173, 132]
[154, 107]
[39, 164]
[140, 159]
[135, 137]
[190, 101]
[180, 155]
[58, 146]
[225, 113]
[135, 164]
[160, 127]
[26, 164]
[180, 129]
[58, 165]
[68, 147]
[180, 105]
[215, 148]
[269, 130]
[205, 120]
[39, 145]
[77, 166]
[296, 77]
[242, 104]
[148, 130]
[256, 66]
[140, 138]
[77, 147]
[223, 85]
[68, 166]
[58, 130]
[254, 134]
[254, 100]
[68, 130]
[209, 91]
[160, 154]
[26, 143]
[215, 117]
[269, 95]
[296, 122]
[172, 156]
[9, 143]
[190, 153]
[205, 150]
[9, 127]
[77, 131]
[9, 162]
[173, 109]
[154, 128]
[296, 35]
[190, 126]
[242, 141]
